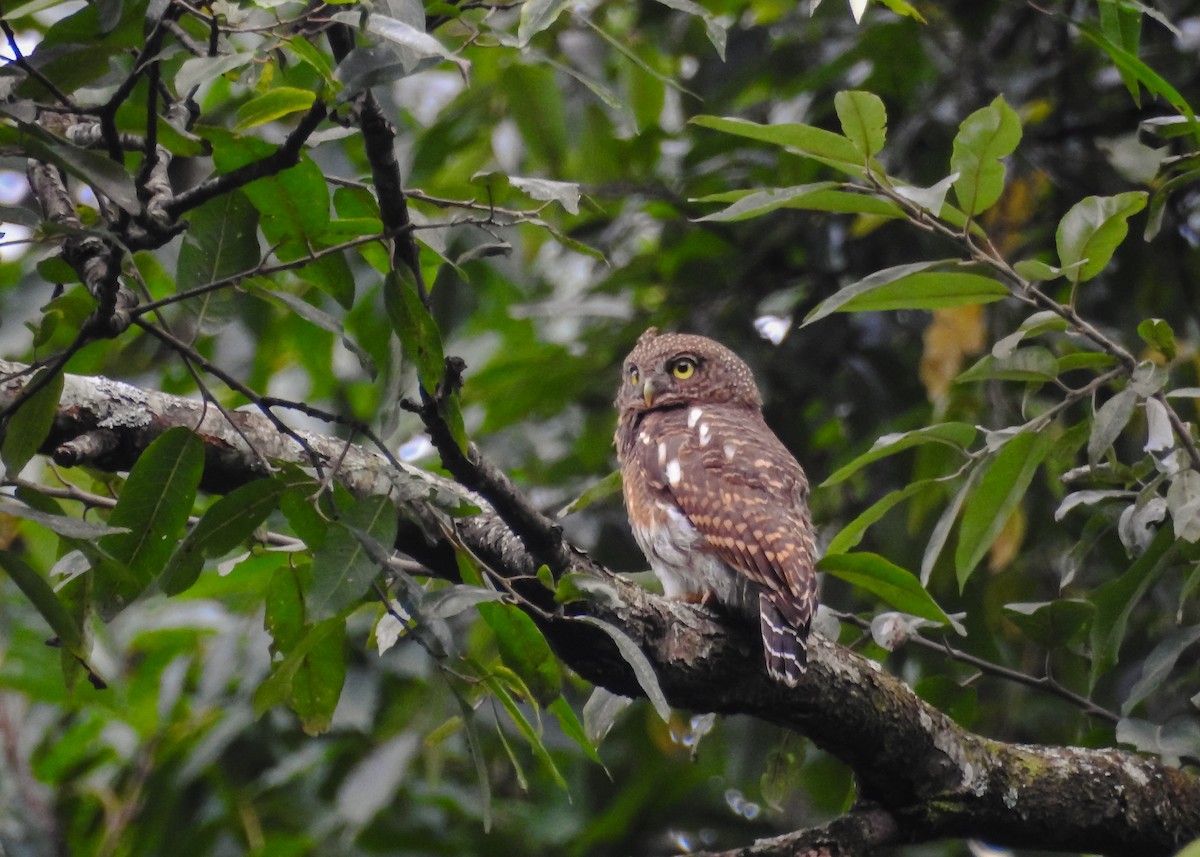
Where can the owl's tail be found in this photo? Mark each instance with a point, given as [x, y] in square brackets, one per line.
[783, 642]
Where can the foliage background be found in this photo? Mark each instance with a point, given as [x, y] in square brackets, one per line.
[175, 756]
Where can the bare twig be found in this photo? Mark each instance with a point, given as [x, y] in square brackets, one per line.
[1045, 683]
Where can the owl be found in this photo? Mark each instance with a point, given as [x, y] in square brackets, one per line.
[715, 500]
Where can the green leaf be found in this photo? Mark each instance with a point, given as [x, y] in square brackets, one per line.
[1163, 193]
[850, 535]
[1123, 26]
[524, 649]
[27, 428]
[422, 342]
[56, 522]
[1110, 421]
[1159, 664]
[1090, 232]
[945, 521]
[154, 506]
[1033, 363]
[821, 145]
[454, 599]
[1158, 334]
[538, 16]
[579, 586]
[638, 662]
[565, 194]
[310, 677]
[1052, 624]
[906, 9]
[319, 318]
[494, 684]
[1085, 360]
[568, 721]
[932, 198]
[1148, 77]
[958, 435]
[713, 28]
[594, 493]
[312, 56]
[471, 732]
[910, 287]
[275, 104]
[819, 196]
[293, 205]
[42, 596]
[225, 525]
[344, 566]
[999, 492]
[762, 202]
[221, 240]
[284, 605]
[895, 585]
[318, 678]
[1037, 270]
[864, 120]
[1038, 323]
[401, 33]
[984, 138]
[198, 70]
[92, 168]
[1116, 599]
[418, 332]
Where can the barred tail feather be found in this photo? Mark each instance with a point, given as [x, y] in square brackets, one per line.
[783, 644]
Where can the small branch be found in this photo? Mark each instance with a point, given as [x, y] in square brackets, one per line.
[287, 155]
[22, 63]
[97, 261]
[1181, 430]
[856, 834]
[182, 348]
[379, 140]
[540, 536]
[147, 58]
[87, 448]
[184, 38]
[987, 667]
[261, 269]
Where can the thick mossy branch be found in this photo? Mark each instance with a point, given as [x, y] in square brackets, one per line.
[923, 775]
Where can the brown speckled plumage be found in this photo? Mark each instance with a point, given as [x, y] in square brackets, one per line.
[716, 502]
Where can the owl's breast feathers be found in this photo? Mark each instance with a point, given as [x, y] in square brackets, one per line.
[738, 486]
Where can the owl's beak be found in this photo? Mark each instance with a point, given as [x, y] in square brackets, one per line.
[649, 391]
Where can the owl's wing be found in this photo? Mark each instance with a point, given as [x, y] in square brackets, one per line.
[746, 495]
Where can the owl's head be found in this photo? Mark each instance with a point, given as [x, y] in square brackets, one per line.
[678, 369]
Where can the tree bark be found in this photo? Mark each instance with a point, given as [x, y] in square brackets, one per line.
[920, 775]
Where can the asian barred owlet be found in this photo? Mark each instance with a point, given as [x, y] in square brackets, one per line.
[716, 502]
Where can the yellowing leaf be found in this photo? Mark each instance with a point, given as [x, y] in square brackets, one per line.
[1008, 544]
[954, 333]
[275, 104]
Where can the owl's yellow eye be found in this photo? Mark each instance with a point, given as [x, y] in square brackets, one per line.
[634, 377]
[683, 368]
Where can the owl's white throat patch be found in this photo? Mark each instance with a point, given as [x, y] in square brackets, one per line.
[694, 416]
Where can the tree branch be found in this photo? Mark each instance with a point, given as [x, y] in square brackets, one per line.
[287, 155]
[924, 776]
